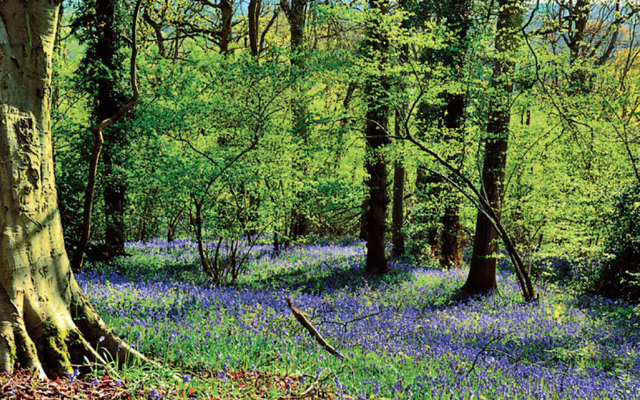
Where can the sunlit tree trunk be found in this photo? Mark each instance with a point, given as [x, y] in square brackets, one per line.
[377, 117]
[482, 274]
[46, 323]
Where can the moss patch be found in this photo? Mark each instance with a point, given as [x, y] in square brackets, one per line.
[55, 350]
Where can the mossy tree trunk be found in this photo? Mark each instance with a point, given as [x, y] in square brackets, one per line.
[46, 323]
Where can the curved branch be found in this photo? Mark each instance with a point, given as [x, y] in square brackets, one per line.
[526, 286]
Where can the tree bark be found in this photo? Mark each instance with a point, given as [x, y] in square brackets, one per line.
[226, 8]
[451, 253]
[377, 116]
[46, 323]
[450, 117]
[397, 214]
[482, 273]
[253, 17]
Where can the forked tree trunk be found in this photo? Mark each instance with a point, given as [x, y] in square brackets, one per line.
[46, 323]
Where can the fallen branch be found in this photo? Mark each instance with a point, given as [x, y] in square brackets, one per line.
[344, 324]
[304, 322]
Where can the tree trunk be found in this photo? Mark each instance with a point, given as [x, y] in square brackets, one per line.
[108, 103]
[451, 253]
[397, 237]
[450, 117]
[482, 274]
[253, 17]
[46, 323]
[296, 15]
[226, 8]
[397, 214]
[377, 116]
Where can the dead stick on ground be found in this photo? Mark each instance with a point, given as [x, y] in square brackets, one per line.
[304, 322]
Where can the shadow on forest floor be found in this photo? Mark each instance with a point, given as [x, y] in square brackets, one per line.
[346, 273]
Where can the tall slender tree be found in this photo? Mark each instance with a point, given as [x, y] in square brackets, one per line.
[482, 273]
[103, 70]
[297, 14]
[449, 117]
[376, 93]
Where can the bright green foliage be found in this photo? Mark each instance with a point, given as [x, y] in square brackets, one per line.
[215, 135]
[621, 273]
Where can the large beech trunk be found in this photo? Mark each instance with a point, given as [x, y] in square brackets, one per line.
[46, 323]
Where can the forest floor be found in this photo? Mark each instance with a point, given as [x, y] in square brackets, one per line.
[405, 335]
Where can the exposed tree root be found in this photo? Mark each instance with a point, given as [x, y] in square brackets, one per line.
[51, 340]
[46, 323]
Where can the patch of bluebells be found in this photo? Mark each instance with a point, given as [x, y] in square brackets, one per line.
[575, 350]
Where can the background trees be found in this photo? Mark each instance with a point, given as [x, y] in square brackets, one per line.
[281, 120]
